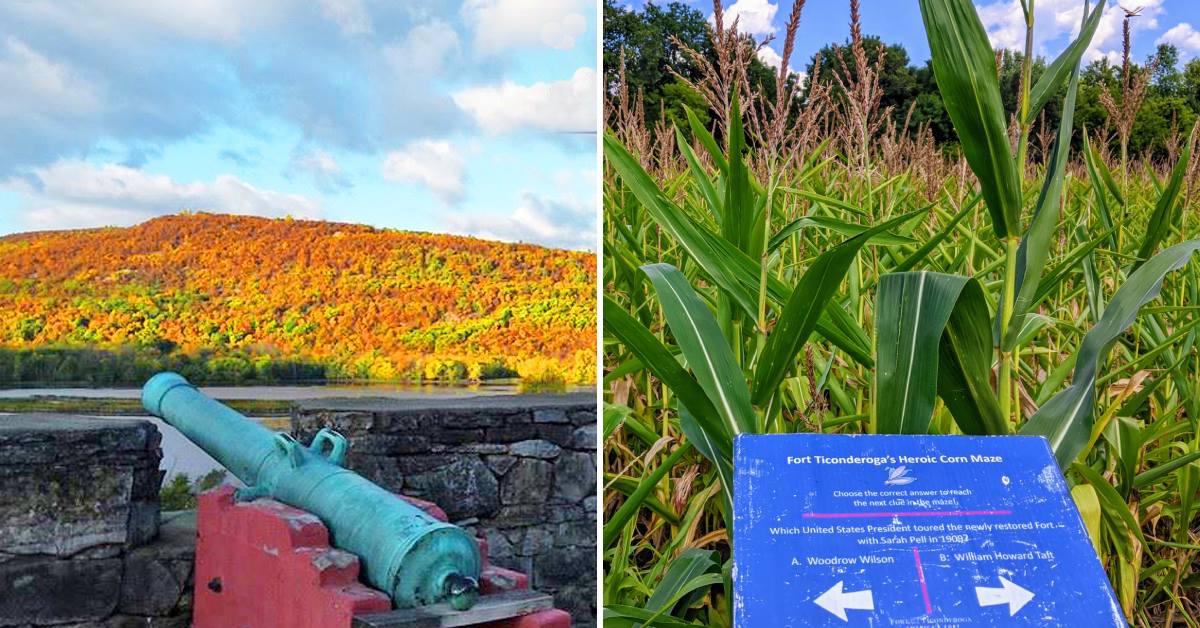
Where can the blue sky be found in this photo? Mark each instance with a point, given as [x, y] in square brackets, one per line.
[899, 21]
[473, 116]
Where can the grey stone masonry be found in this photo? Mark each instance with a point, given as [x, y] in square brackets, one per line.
[71, 485]
[518, 469]
[80, 538]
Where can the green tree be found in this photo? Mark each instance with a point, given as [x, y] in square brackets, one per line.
[650, 40]
[653, 42]
[1190, 84]
[1166, 79]
[897, 79]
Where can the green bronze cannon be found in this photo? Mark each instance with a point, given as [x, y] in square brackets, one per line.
[405, 552]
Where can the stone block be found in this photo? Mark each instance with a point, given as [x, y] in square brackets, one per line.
[584, 438]
[306, 425]
[519, 515]
[75, 484]
[558, 566]
[463, 488]
[575, 534]
[480, 448]
[528, 482]
[550, 415]
[511, 433]
[158, 576]
[582, 416]
[382, 470]
[500, 464]
[47, 590]
[557, 433]
[535, 449]
[574, 476]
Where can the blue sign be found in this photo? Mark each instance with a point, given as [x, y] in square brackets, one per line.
[943, 531]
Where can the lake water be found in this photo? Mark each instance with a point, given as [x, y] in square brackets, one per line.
[284, 393]
[180, 455]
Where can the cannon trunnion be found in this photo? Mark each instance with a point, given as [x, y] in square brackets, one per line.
[415, 558]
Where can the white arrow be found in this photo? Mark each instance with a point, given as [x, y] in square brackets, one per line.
[836, 601]
[1007, 593]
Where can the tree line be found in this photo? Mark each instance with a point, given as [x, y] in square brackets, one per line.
[645, 48]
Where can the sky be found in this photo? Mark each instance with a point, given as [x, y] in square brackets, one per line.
[899, 22]
[474, 117]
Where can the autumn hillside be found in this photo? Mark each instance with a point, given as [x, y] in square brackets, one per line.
[233, 298]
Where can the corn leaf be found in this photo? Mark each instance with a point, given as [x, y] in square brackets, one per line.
[711, 445]
[1035, 244]
[706, 140]
[1051, 280]
[825, 200]
[625, 616]
[1102, 212]
[1146, 478]
[634, 502]
[1113, 506]
[704, 346]
[1105, 174]
[690, 564]
[834, 225]
[1064, 64]
[1066, 419]
[1167, 208]
[659, 360]
[937, 238]
[628, 486]
[1089, 509]
[738, 223]
[803, 309]
[711, 199]
[614, 416]
[933, 337]
[725, 264]
[965, 68]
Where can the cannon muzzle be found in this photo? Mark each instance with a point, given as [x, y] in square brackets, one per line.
[415, 558]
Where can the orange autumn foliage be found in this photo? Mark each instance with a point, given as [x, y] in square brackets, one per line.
[364, 302]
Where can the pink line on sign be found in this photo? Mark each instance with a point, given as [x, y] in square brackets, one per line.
[926, 513]
[921, 578]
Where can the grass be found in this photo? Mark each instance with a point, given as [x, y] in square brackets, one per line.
[181, 492]
[761, 277]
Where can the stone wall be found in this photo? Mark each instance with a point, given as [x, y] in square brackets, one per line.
[80, 537]
[518, 469]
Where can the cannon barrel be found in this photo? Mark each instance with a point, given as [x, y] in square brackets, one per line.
[415, 558]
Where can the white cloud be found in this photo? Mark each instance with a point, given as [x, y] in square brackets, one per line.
[350, 16]
[501, 25]
[773, 60]
[1055, 20]
[561, 106]
[70, 87]
[767, 55]
[1182, 36]
[536, 219]
[326, 173]
[435, 164]
[76, 194]
[35, 84]
[425, 50]
[754, 17]
[211, 21]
